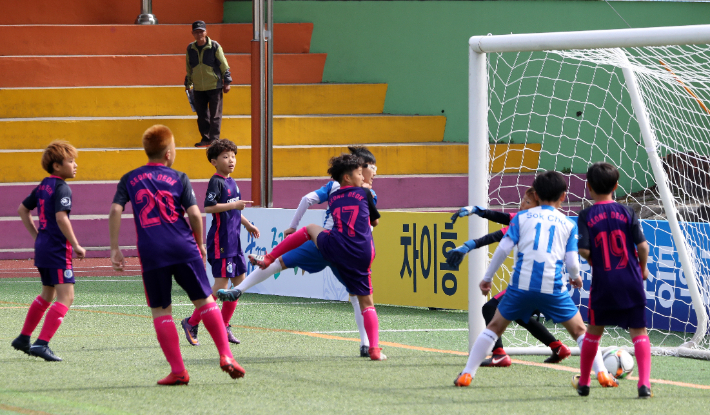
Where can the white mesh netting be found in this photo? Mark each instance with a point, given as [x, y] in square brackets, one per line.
[563, 110]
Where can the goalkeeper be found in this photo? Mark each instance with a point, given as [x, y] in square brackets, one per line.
[500, 358]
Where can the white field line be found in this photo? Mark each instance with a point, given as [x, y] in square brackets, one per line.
[388, 331]
[240, 304]
[83, 280]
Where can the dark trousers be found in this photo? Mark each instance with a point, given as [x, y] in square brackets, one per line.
[537, 329]
[208, 106]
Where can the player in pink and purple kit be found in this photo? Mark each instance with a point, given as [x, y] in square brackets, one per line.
[611, 239]
[167, 247]
[224, 248]
[54, 244]
[348, 246]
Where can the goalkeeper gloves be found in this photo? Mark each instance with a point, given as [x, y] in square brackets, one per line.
[455, 256]
[467, 211]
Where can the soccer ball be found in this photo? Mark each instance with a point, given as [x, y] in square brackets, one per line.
[618, 362]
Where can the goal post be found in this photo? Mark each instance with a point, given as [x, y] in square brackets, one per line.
[634, 122]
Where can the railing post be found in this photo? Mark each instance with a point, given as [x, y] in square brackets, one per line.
[146, 16]
[256, 102]
[262, 105]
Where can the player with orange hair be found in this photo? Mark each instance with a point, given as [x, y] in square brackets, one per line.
[167, 247]
[55, 244]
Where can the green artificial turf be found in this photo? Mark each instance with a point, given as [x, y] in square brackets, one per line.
[112, 361]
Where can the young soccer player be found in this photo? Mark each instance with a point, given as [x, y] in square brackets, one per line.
[167, 247]
[610, 236]
[55, 243]
[348, 245]
[307, 256]
[545, 239]
[224, 248]
[500, 358]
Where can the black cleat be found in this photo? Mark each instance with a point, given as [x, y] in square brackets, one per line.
[190, 332]
[364, 351]
[44, 352]
[645, 392]
[581, 390]
[230, 336]
[21, 344]
[229, 295]
[203, 143]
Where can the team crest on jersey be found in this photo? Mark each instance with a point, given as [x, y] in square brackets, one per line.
[65, 201]
[68, 273]
[211, 196]
[230, 267]
[229, 192]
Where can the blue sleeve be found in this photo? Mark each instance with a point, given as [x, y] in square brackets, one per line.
[30, 201]
[514, 229]
[214, 191]
[573, 238]
[122, 197]
[374, 195]
[323, 192]
[62, 198]
[187, 198]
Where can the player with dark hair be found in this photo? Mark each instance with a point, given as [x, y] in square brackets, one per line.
[500, 358]
[167, 247]
[55, 244]
[545, 239]
[611, 239]
[307, 257]
[224, 248]
[348, 246]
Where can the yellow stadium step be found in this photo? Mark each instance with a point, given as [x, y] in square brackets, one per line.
[19, 134]
[289, 161]
[296, 99]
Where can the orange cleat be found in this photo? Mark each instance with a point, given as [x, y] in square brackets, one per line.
[262, 261]
[463, 379]
[181, 378]
[560, 352]
[376, 353]
[231, 366]
[606, 380]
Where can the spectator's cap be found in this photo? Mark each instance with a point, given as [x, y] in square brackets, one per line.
[199, 25]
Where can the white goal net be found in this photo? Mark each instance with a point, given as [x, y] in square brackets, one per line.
[565, 109]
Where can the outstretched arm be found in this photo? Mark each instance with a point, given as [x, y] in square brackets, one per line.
[306, 201]
[499, 256]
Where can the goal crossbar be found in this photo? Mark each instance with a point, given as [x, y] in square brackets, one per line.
[479, 46]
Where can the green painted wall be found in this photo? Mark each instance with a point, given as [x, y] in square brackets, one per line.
[420, 50]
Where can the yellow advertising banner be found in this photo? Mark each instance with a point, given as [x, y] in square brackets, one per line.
[410, 267]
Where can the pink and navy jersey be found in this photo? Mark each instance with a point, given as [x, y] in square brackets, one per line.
[52, 250]
[223, 236]
[352, 209]
[160, 196]
[611, 231]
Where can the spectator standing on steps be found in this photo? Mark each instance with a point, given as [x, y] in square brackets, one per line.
[208, 75]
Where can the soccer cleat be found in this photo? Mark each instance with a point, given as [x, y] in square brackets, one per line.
[229, 295]
[645, 392]
[190, 332]
[499, 359]
[581, 390]
[364, 351]
[376, 353]
[463, 379]
[230, 335]
[203, 143]
[44, 352]
[21, 344]
[262, 261]
[560, 352]
[231, 366]
[172, 379]
[606, 380]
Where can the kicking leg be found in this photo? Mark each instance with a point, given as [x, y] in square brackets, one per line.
[499, 357]
[291, 242]
[255, 277]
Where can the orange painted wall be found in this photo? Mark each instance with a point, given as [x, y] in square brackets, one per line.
[16, 12]
[298, 68]
[142, 40]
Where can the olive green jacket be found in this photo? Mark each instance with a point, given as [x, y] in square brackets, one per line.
[207, 69]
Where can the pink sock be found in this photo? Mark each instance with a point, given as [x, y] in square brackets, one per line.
[213, 322]
[372, 326]
[34, 315]
[228, 308]
[292, 241]
[169, 342]
[195, 318]
[54, 319]
[642, 350]
[587, 355]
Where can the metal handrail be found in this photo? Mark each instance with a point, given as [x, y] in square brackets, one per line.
[146, 17]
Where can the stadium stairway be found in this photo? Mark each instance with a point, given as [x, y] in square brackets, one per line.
[83, 75]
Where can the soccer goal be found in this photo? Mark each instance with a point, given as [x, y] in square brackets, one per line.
[636, 98]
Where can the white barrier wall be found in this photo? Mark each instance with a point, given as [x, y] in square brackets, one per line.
[290, 282]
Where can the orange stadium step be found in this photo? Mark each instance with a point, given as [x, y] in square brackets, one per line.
[141, 40]
[108, 11]
[79, 71]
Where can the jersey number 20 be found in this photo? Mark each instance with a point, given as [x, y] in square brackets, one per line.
[166, 207]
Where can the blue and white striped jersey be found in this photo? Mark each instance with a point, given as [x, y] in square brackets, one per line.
[543, 236]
